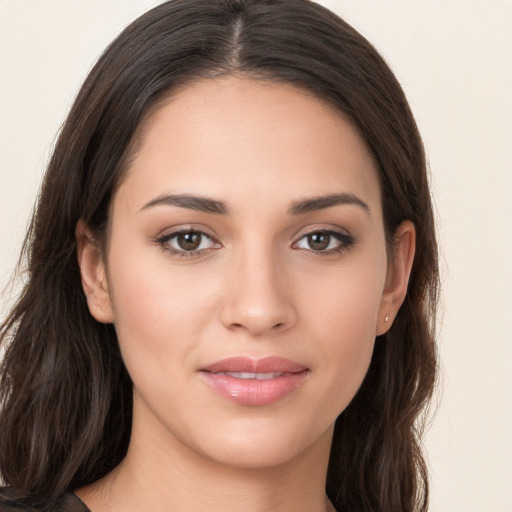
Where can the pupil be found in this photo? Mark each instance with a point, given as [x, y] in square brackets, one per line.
[319, 241]
[189, 241]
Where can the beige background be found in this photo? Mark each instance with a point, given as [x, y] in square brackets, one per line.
[454, 61]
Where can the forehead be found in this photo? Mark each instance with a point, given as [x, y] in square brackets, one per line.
[233, 137]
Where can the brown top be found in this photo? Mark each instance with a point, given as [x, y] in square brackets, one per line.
[68, 502]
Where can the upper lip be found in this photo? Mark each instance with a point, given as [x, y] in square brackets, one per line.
[248, 364]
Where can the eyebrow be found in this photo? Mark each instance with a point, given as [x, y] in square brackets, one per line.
[319, 203]
[192, 202]
[207, 205]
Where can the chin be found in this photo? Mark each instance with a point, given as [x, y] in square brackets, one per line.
[260, 445]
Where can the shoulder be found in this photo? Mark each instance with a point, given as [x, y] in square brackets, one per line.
[10, 501]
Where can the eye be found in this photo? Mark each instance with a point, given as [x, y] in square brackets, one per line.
[187, 242]
[325, 241]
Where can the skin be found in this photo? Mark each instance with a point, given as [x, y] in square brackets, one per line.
[256, 287]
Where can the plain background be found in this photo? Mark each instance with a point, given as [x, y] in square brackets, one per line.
[453, 59]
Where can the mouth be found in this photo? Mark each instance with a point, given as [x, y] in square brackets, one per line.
[254, 382]
[251, 375]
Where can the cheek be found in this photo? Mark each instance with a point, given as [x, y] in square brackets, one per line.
[344, 301]
[343, 312]
[158, 311]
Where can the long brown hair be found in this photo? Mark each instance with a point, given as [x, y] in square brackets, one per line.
[65, 395]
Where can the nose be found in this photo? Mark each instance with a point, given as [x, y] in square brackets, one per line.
[258, 300]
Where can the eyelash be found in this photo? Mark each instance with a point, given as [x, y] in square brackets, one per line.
[345, 242]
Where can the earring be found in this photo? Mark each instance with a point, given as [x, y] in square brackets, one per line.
[386, 320]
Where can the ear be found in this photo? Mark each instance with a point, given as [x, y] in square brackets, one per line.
[397, 278]
[94, 276]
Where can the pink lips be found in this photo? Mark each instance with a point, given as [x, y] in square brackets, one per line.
[254, 382]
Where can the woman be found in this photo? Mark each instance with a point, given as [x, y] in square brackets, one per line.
[232, 277]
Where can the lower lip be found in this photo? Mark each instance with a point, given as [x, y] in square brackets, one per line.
[254, 392]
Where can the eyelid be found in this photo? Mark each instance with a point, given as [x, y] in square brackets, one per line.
[316, 227]
[185, 227]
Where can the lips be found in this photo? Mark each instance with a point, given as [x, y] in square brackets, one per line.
[254, 382]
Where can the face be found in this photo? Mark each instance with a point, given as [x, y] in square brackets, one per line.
[246, 271]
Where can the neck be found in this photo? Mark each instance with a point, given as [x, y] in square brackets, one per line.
[160, 473]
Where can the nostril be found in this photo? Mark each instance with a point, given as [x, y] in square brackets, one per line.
[257, 318]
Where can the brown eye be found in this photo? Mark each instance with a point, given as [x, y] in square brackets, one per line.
[319, 241]
[189, 241]
[325, 242]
